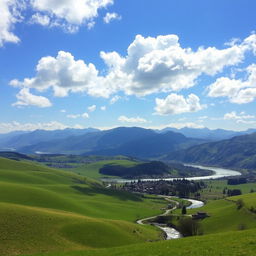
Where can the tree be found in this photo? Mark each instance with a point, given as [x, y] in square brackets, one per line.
[189, 227]
[239, 204]
[184, 210]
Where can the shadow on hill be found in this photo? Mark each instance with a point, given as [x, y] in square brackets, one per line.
[121, 195]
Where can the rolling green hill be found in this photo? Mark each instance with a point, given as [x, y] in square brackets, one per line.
[43, 210]
[238, 152]
[225, 216]
[240, 243]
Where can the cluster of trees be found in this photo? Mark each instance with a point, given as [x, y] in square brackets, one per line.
[156, 168]
[232, 192]
[237, 181]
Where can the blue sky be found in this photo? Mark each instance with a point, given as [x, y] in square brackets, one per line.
[109, 63]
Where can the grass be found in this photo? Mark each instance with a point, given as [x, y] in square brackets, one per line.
[240, 243]
[224, 215]
[43, 210]
[215, 188]
[92, 170]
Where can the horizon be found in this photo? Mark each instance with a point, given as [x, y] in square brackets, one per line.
[148, 64]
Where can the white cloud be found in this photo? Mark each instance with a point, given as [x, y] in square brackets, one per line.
[10, 14]
[251, 122]
[25, 98]
[63, 110]
[64, 74]
[177, 104]
[114, 99]
[75, 116]
[185, 125]
[239, 118]
[91, 24]
[16, 126]
[152, 65]
[103, 108]
[125, 119]
[40, 19]
[111, 16]
[238, 91]
[92, 108]
[71, 13]
[85, 115]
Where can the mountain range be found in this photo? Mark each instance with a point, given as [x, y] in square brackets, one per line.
[132, 141]
[202, 146]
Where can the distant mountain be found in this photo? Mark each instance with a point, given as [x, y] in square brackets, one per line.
[131, 141]
[237, 152]
[207, 134]
[17, 140]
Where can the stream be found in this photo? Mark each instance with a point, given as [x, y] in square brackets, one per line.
[172, 233]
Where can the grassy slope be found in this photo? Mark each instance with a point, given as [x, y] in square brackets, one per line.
[43, 209]
[224, 215]
[215, 188]
[240, 243]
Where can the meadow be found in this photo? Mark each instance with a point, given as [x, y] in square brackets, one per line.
[43, 210]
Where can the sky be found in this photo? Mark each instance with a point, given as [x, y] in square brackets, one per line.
[111, 63]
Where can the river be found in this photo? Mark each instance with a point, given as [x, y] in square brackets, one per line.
[218, 173]
[172, 233]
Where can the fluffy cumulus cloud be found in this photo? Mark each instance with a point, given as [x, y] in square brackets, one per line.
[125, 119]
[239, 118]
[10, 14]
[67, 14]
[16, 126]
[70, 13]
[238, 91]
[177, 104]
[111, 16]
[25, 98]
[64, 74]
[152, 65]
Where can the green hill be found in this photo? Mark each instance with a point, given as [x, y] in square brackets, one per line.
[43, 210]
[240, 243]
[225, 215]
[238, 152]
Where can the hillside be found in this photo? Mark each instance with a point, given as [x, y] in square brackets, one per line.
[238, 152]
[43, 210]
[132, 141]
[207, 134]
[228, 244]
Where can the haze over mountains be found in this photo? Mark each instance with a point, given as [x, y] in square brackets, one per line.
[130, 141]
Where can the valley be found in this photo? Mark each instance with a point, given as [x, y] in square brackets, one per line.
[92, 204]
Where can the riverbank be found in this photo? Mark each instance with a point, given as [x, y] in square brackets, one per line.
[170, 233]
[218, 173]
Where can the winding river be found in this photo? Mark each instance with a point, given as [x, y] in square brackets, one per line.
[218, 173]
[172, 233]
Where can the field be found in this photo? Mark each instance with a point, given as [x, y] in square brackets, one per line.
[43, 210]
[241, 243]
[215, 188]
